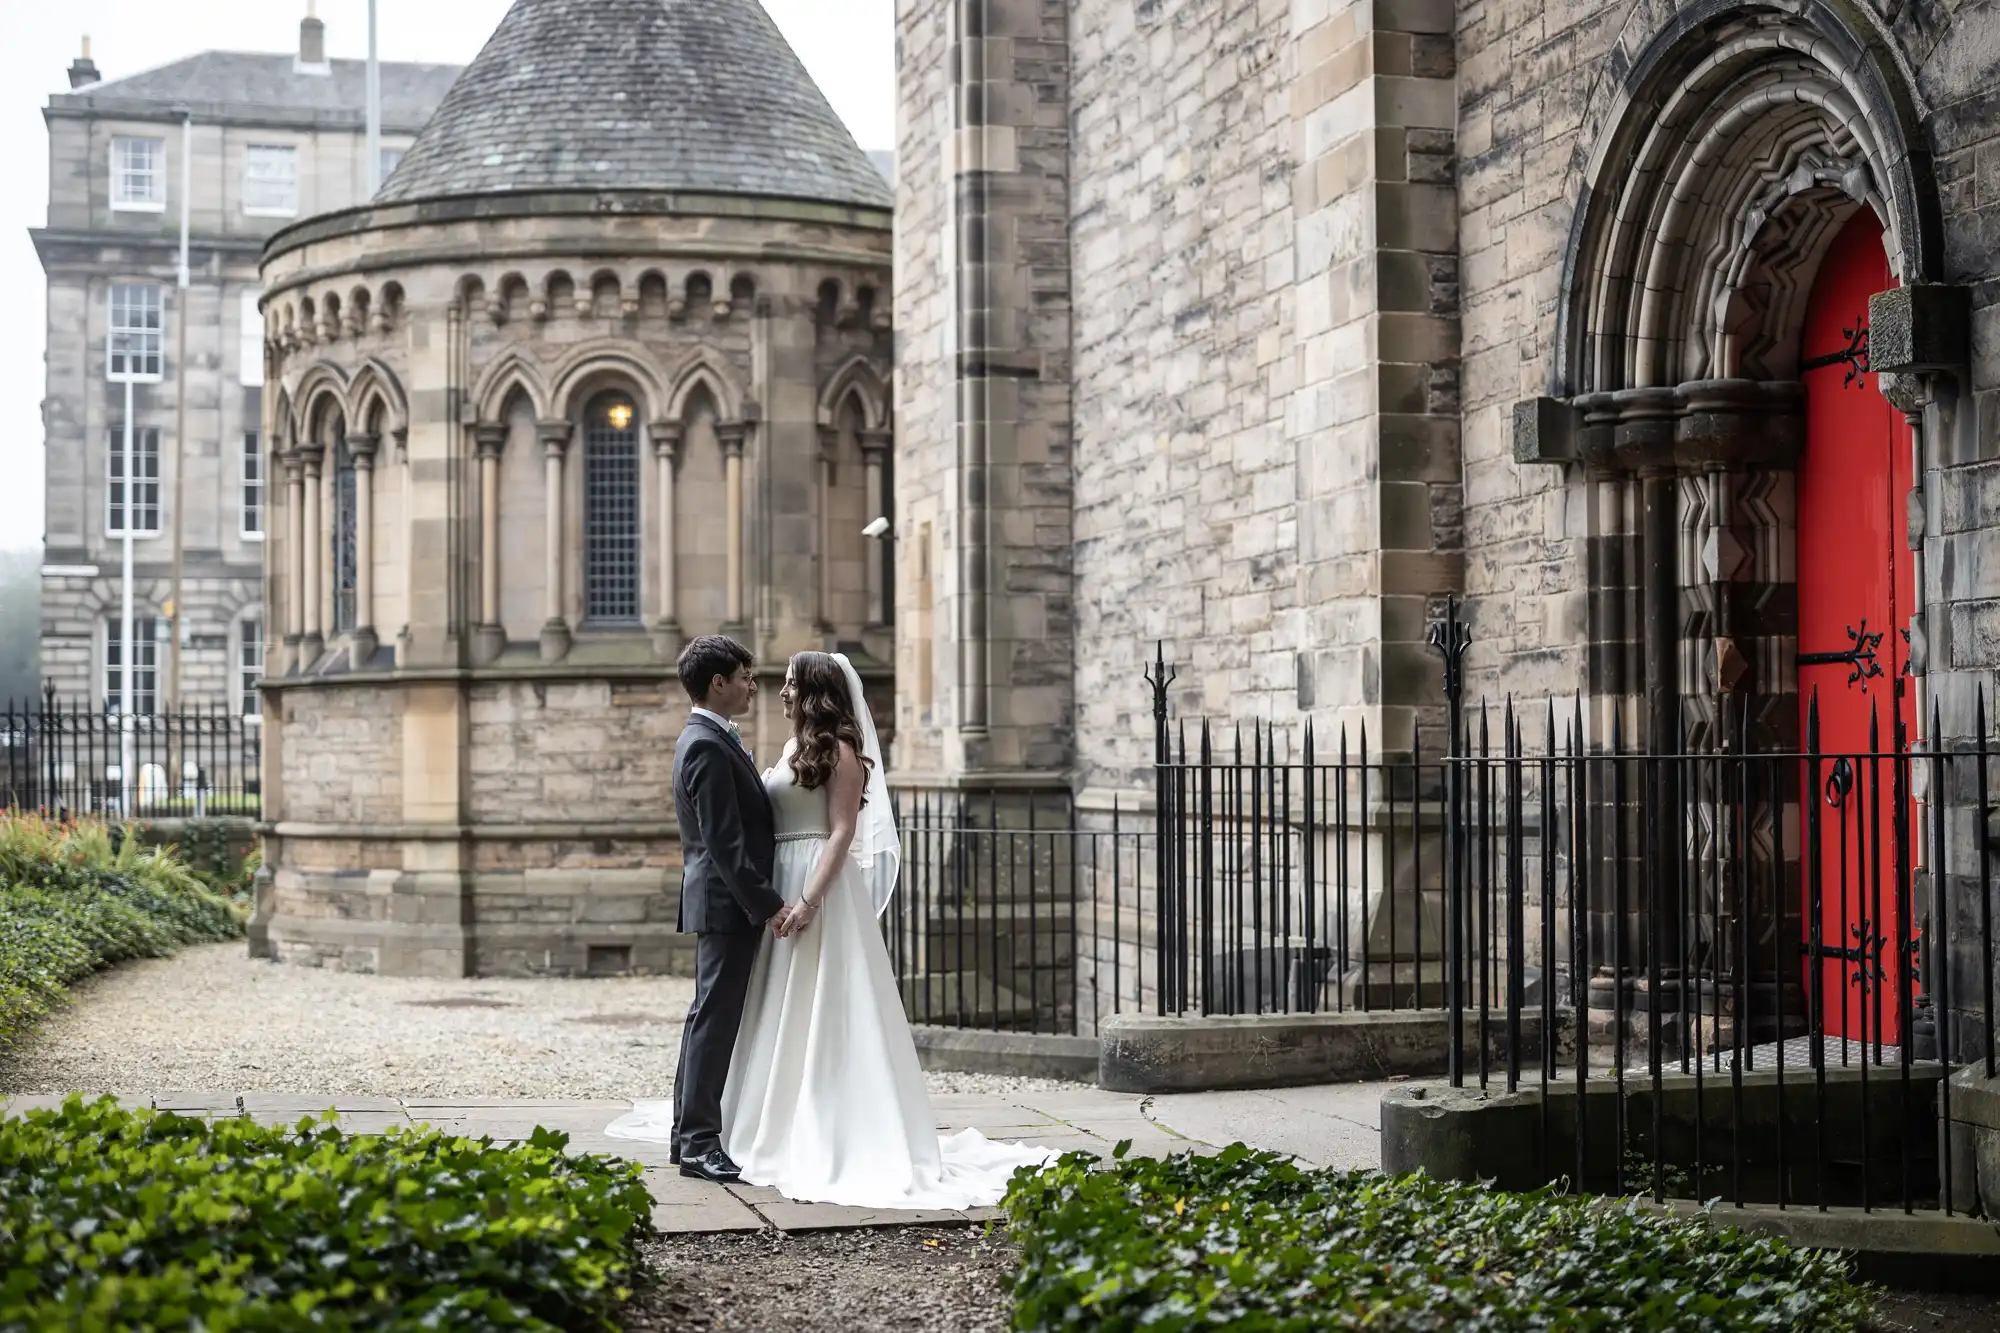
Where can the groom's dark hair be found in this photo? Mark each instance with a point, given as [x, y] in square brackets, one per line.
[707, 657]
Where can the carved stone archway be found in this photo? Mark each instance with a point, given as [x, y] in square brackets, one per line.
[1725, 146]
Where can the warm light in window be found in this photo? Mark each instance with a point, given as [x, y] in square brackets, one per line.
[621, 417]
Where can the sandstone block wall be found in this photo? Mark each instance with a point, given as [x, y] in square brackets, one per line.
[572, 751]
[1185, 264]
[341, 757]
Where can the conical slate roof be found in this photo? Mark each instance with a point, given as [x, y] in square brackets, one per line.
[653, 95]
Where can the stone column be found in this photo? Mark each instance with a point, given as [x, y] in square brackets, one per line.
[361, 645]
[489, 637]
[1009, 358]
[732, 434]
[295, 555]
[406, 559]
[555, 437]
[312, 640]
[874, 449]
[829, 445]
[667, 637]
[1373, 417]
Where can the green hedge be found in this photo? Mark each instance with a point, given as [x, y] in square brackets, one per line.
[1250, 1242]
[115, 1220]
[71, 902]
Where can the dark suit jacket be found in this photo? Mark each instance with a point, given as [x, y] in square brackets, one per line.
[728, 844]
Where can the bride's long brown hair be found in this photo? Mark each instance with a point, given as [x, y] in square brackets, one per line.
[822, 717]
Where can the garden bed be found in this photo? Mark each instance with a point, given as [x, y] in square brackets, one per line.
[113, 1219]
[76, 897]
[1254, 1243]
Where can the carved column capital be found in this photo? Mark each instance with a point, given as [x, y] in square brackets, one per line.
[732, 435]
[490, 437]
[401, 439]
[829, 442]
[668, 436]
[362, 449]
[555, 437]
[875, 443]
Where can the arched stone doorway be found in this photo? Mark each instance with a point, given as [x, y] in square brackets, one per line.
[1750, 176]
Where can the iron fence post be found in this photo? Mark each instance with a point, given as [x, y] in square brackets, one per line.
[1160, 676]
[1451, 637]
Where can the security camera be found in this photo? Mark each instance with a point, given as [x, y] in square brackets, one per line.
[878, 528]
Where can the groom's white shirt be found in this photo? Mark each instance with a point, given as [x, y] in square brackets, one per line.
[725, 724]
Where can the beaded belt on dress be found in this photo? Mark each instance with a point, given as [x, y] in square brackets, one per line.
[801, 837]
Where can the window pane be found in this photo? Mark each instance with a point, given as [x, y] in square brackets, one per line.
[270, 180]
[611, 513]
[137, 178]
[145, 673]
[253, 485]
[344, 546]
[390, 159]
[250, 667]
[145, 491]
[136, 324]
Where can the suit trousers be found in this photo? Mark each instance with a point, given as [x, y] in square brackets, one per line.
[708, 1040]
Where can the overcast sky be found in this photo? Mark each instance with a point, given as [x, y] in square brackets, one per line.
[848, 45]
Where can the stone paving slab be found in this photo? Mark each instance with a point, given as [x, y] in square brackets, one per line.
[1323, 1126]
[707, 1216]
[789, 1217]
[309, 1105]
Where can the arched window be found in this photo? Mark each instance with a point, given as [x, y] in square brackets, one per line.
[611, 511]
[344, 548]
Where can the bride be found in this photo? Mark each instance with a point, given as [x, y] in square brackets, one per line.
[825, 1099]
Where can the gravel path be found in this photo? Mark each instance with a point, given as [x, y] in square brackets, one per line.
[211, 1019]
[902, 1280]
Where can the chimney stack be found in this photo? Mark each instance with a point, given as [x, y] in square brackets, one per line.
[84, 71]
[312, 40]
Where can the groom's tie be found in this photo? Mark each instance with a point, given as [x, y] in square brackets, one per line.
[737, 733]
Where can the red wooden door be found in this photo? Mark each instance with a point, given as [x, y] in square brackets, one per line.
[1855, 584]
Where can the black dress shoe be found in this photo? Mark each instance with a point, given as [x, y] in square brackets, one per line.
[712, 1165]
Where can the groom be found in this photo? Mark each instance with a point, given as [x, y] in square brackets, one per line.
[728, 850]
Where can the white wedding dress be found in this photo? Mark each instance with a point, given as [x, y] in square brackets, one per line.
[826, 1100]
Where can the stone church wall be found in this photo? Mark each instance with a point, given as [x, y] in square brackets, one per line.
[341, 756]
[588, 751]
[925, 443]
[1525, 75]
[1185, 253]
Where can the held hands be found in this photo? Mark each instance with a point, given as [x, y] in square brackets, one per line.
[794, 919]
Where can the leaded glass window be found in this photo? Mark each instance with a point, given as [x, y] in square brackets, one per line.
[611, 511]
[344, 546]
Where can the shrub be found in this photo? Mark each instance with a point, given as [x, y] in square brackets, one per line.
[1251, 1242]
[112, 1219]
[71, 902]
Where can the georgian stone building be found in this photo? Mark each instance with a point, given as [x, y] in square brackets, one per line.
[269, 138]
[604, 366]
[1263, 327]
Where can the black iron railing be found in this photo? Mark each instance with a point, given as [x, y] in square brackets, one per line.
[1758, 971]
[1728, 969]
[1015, 914]
[64, 757]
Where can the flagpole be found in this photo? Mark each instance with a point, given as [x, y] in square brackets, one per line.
[181, 313]
[374, 165]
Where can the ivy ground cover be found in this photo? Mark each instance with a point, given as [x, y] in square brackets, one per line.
[1251, 1242]
[116, 1220]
